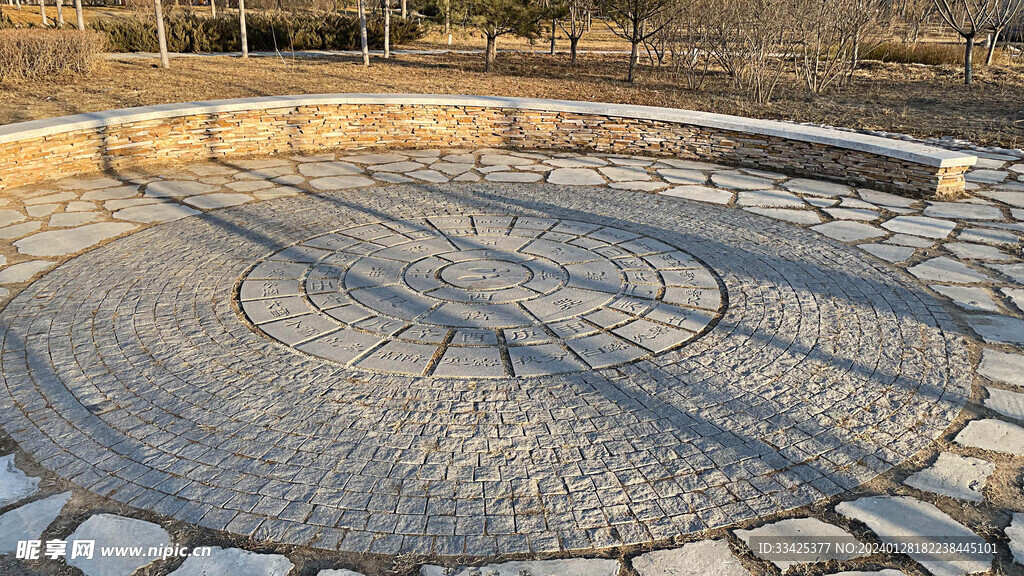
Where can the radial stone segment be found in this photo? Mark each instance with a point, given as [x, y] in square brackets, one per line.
[143, 369]
[481, 296]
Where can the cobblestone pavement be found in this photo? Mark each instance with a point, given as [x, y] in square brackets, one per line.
[315, 369]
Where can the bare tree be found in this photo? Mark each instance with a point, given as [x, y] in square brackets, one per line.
[213, 8]
[688, 38]
[637, 21]
[575, 22]
[749, 39]
[79, 16]
[387, 28]
[42, 11]
[161, 34]
[1004, 13]
[361, 8]
[242, 29]
[60, 12]
[405, 10]
[967, 18]
[830, 36]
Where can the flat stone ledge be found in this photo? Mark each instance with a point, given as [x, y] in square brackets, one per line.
[910, 151]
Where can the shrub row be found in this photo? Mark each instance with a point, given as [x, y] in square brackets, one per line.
[930, 53]
[35, 53]
[190, 32]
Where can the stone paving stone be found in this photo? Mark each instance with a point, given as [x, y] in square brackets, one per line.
[153, 213]
[24, 271]
[852, 214]
[249, 185]
[570, 567]
[976, 251]
[234, 562]
[575, 177]
[886, 572]
[8, 217]
[920, 226]
[29, 521]
[15, 485]
[80, 206]
[994, 435]
[1007, 403]
[639, 186]
[817, 187]
[691, 164]
[277, 192]
[680, 176]
[820, 202]
[19, 230]
[794, 216]
[177, 189]
[942, 269]
[955, 476]
[996, 329]
[1014, 271]
[970, 298]
[111, 530]
[740, 181]
[73, 219]
[381, 158]
[799, 528]
[905, 240]
[1002, 367]
[985, 176]
[50, 198]
[963, 210]
[1015, 533]
[769, 198]
[61, 242]
[693, 559]
[340, 182]
[512, 177]
[218, 200]
[848, 231]
[887, 516]
[580, 162]
[114, 205]
[989, 236]
[889, 252]
[1016, 295]
[624, 173]
[339, 572]
[428, 176]
[886, 199]
[700, 194]
[87, 183]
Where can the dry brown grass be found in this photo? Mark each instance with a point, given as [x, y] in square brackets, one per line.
[920, 100]
[27, 54]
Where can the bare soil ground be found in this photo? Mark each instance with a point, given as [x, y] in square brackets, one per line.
[924, 101]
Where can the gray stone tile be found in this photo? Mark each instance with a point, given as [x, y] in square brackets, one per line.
[955, 476]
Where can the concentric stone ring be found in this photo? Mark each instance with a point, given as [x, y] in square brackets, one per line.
[482, 296]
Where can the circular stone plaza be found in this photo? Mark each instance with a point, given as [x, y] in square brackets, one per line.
[338, 335]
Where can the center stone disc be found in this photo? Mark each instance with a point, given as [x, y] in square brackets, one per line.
[485, 274]
[482, 296]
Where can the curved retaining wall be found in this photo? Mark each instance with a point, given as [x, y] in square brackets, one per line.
[119, 139]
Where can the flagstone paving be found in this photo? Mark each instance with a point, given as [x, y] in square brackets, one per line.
[631, 399]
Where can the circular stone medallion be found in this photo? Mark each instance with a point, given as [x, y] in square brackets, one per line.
[482, 296]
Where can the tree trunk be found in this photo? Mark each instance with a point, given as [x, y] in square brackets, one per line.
[405, 10]
[42, 11]
[213, 8]
[993, 41]
[968, 60]
[241, 25]
[387, 29]
[79, 16]
[554, 27]
[573, 42]
[634, 55]
[448, 20]
[60, 13]
[492, 52]
[161, 35]
[362, 32]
